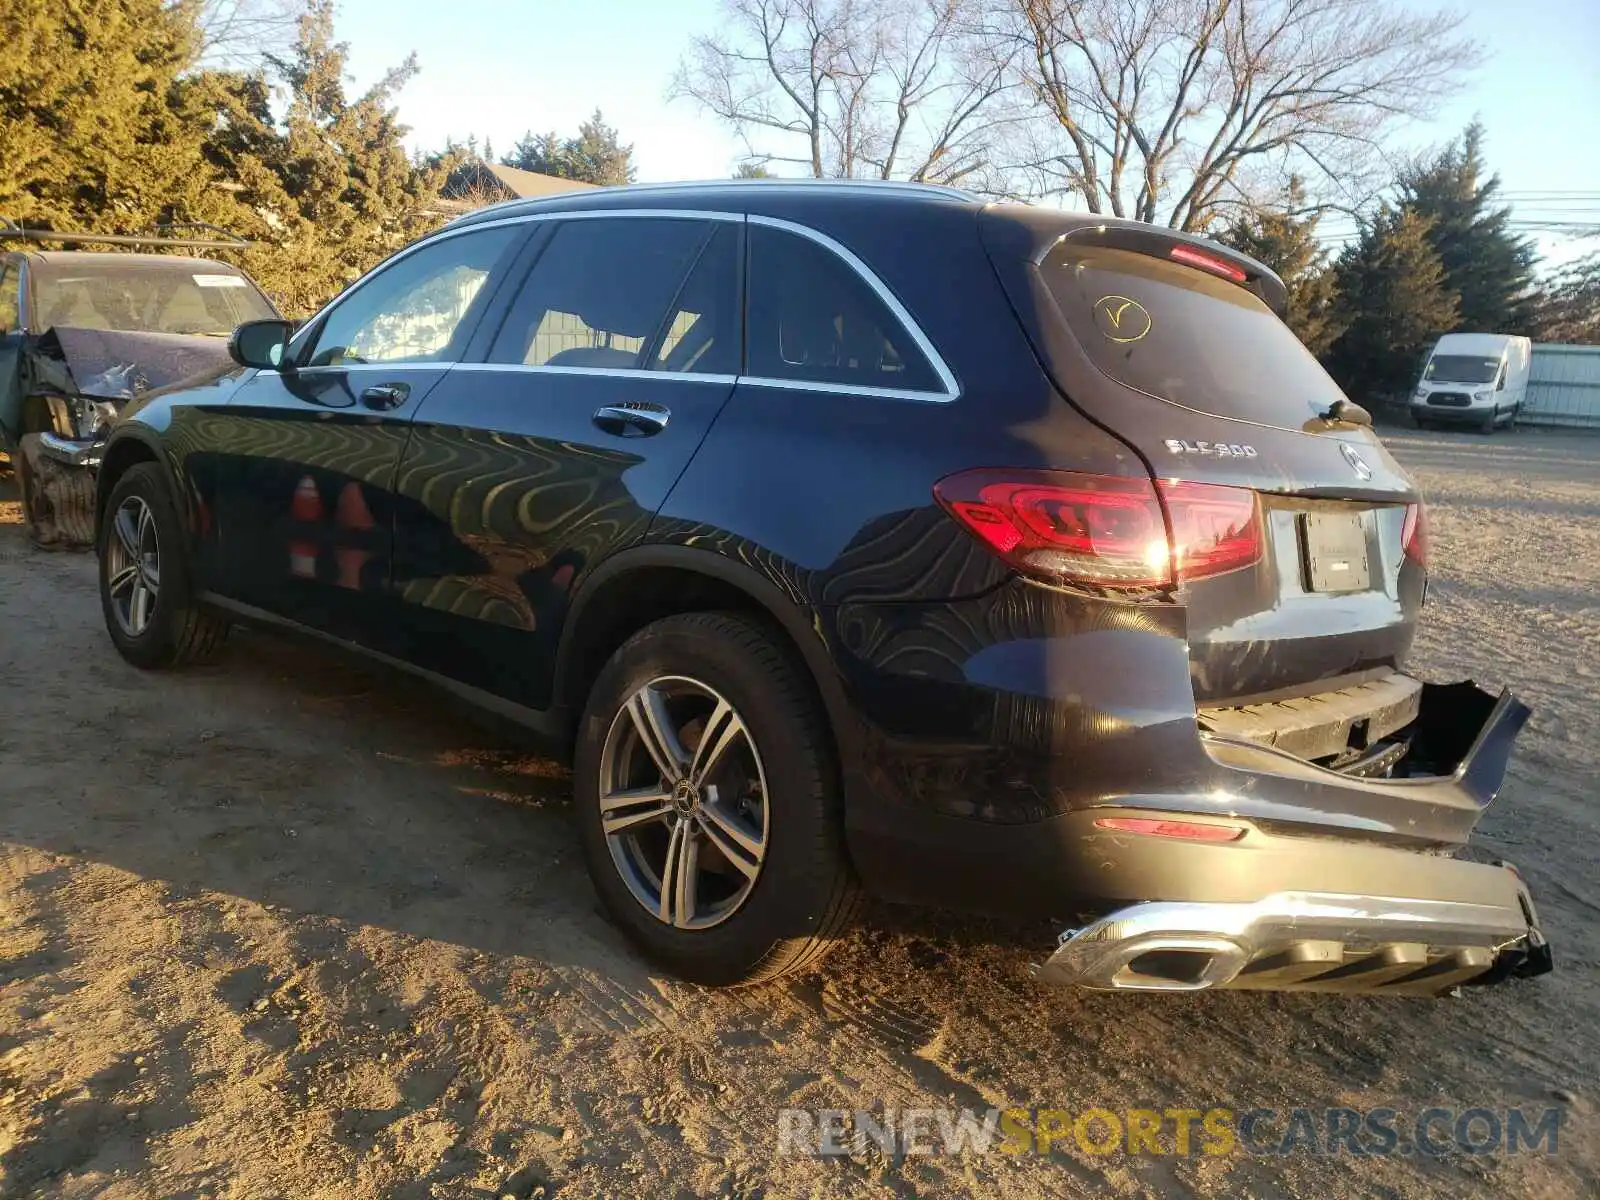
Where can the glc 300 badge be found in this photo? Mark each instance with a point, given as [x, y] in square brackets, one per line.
[1216, 449]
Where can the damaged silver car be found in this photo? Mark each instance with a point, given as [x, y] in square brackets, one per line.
[81, 334]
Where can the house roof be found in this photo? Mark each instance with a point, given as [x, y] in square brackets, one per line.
[526, 184]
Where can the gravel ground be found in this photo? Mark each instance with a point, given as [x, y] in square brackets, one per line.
[289, 927]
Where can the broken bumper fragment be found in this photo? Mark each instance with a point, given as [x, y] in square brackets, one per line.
[71, 452]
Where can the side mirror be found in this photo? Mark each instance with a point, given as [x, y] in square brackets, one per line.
[261, 344]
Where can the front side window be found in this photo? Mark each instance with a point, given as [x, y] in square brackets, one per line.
[601, 291]
[813, 319]
[415, 310]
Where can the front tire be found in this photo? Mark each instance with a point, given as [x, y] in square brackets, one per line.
[708, 803]
[146, 594]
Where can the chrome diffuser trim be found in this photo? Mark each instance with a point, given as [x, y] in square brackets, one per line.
[1293, 940]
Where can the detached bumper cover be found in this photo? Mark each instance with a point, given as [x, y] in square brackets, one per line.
[1311, 941]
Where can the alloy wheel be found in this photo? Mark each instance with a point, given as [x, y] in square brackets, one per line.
[683, 802]
[133, 566]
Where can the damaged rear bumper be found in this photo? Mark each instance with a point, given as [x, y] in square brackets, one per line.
[1279, 906]
[1310, 941]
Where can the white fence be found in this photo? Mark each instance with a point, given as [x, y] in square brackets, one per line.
[1564, 386]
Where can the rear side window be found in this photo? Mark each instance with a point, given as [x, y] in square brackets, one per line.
[812, 319]
[1185, 336]
[600, 292]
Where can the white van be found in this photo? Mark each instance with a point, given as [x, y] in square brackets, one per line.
[1475, 379]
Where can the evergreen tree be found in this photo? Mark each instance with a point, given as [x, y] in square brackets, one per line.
[1288, 244]
[1568, 308]
[1490, 268]
[99, 129]
[594, 156]
[331, 190]
[1393, 302]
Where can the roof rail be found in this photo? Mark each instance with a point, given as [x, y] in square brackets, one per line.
[12, 232]
[901, 186]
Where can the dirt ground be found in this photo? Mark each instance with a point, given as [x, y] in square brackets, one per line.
[289, 927]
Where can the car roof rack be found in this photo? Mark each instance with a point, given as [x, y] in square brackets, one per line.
[160, 235]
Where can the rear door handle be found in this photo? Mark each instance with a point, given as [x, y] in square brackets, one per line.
[384, 396]
[632, 420]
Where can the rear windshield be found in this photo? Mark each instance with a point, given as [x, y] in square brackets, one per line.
[1185, 336]
[179, 297]
[1462, 368]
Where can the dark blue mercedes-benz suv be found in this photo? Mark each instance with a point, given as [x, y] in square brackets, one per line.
[846, 535]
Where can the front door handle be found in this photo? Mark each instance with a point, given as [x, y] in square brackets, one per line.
[632, 420]
[384, 396]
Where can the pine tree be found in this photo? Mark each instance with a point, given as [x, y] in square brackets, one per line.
[594, 156]
[1288, 244]
[1489, 267]
[331, 190]
[1393, 301]
[99, 128]
[1568, 307]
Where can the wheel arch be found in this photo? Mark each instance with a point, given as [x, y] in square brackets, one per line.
[122, 453]
[634, 587]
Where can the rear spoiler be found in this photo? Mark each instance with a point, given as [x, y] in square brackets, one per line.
[161, 236]
[1031, 233]
[1201, 253]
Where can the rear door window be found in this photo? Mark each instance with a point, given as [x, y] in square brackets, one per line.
[813, 319]
[1185, 336]
[600, 292]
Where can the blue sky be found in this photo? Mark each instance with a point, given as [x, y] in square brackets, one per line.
[499, 67]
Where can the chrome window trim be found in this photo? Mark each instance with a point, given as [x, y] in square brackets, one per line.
[801, 385]
[951, 392]
[619, 372]
[392, 364]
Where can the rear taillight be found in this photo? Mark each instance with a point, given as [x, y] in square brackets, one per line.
[1414, 533]
[1214, 528]
[1105, 530]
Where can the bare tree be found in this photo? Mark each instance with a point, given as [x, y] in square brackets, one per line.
[888, 89]
[1176, 111]
[236, 33]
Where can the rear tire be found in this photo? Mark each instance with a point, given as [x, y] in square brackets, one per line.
[146, 594]
[657, 807]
